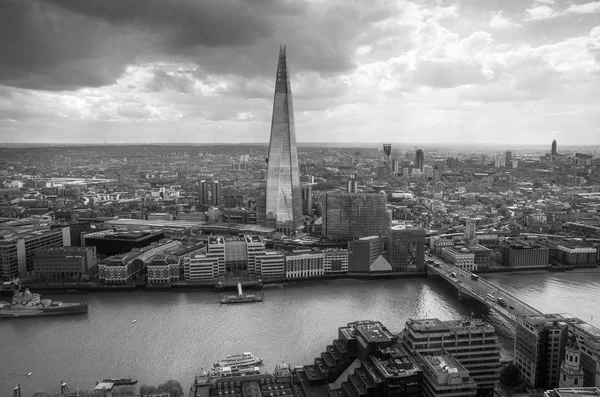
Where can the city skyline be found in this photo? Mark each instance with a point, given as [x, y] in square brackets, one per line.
[462, 71]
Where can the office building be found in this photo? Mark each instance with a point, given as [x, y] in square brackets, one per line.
[539, 348]
[443, 375]
[419, 159]
[508, 158]
[18, 247]
[364, 252]
[210, 193]
[335, 261]
[283, 195]
[460, 256]
[473, 343]
[406, 248]
[270, 265]
[255, 247]
[307, 199]
[75, 231]
[64, 263]
[365, 360]
[521, 253]
[353, 215]
[200, 267]
[553, 149]
[352, 186]
[163, 269]
[304, 263]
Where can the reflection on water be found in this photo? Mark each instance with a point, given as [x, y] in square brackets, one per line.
[176, 334]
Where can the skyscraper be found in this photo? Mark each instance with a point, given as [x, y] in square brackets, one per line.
[284, 205]
[419, 159]
[554, 147]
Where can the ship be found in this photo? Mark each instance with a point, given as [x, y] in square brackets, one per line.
[118, 381]
[223, 372]
[238, 361]
[28, 304]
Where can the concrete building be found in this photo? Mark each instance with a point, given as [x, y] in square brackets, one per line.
[270, 265]
[304, 263]
[460, 256]
[576, 255]
[200, 267]
[255, 246]
[284, 196]
[18, 247]
[521, 253]
[406, 248]
[64, 263]
[353, 215]
[335, 261]
[473, 343]
[539, 348]
[443, 376]
[363, 252]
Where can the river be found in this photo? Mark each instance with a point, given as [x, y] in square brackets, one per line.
[177, 333]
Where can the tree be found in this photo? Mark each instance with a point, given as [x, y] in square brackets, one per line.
[123, 391]
[145, 390]
[41, 394]
[511, 376]
[172, 387]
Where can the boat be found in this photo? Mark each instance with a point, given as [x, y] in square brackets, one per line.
[28, 304]
[559, 267]
[223, 372]
[118, 381]
[238, 361]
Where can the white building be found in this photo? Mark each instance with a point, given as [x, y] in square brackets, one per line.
[271, 264]
[304, 263]
[335, 261]
[461, 257]
[200, 267]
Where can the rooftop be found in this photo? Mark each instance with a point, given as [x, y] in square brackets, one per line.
[373, 333]
[439, 325]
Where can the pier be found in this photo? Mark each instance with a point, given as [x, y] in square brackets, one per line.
[241, 297]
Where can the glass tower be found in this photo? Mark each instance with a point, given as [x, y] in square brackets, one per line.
[284, 195]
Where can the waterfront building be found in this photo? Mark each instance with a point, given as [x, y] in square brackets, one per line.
[304, 263]
[406, 248]
[18, 247]
[365, 360]
[255, 246]
[363, 252]
[473, 343]
[116, 269]
[353, 215]
[200, 267]
[481, 256]
[521, 253]
[283, 194]
[461, 257]
[576, 255]
[122, 242]
[539, 348]
[270, 265]
[335, 261]
[443, 376]
[571, 374]
[64, 263]
[159, 216]
[215, 248]
[163, 269]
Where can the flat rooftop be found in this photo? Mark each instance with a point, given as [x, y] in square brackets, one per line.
[216, 226]
[373, 333]
[444, 364]
[576, 392]
[435, 324]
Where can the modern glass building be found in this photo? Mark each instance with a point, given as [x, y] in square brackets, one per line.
[284, 195]
[353, 215]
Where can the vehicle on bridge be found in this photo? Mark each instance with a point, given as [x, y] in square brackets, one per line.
[491, 297]
[453, 274]
[474, 277]
[502, 302]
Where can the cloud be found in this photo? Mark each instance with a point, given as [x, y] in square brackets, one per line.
[179, 81]
[537, 12]
[586, 8]
[540, 12]
[499, 21]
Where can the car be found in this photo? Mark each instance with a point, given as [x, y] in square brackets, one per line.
[512, 307]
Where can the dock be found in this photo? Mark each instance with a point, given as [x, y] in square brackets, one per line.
[240, 297]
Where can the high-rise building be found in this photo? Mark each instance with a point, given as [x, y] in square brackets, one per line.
[284, 196]
[353, 215]
[307, 199]
[554, 153]
[210, 193]
[352, 186]
[473, 343]
[406, 248]
[539, 348]
[508, 158]
[363, 252]
[419, 159]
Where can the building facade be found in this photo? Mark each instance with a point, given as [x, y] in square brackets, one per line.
[304, 263]
[283, 194]
[406, 249]
[363, 252]
[354, 215]
[521, 253]
[444, 376]
[270, 265]
[460, 256]
[335, 261]
[64, 263]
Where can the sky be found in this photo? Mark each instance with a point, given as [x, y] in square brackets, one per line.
[203, 71]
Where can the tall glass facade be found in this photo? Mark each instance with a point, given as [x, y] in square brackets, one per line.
[283, 199]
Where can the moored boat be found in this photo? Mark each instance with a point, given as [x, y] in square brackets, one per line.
[222, 372]
[235, 361]
[118, 381]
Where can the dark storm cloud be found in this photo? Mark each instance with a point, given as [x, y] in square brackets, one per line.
[65, 44]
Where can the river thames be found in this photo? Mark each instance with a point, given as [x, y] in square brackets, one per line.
[178, 333]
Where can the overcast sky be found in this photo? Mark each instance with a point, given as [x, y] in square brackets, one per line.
[203, 71]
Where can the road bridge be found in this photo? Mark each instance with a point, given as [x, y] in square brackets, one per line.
[478, 288]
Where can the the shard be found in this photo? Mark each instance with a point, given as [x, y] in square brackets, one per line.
[283, 199]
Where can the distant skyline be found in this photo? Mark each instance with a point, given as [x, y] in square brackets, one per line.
[203, 71]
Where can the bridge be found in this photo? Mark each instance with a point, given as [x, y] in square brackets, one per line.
[477, 288]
